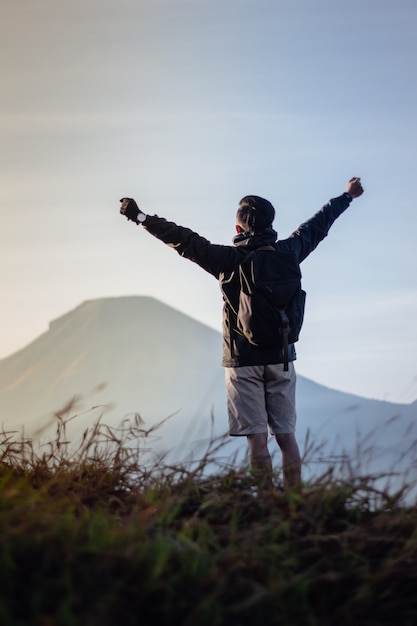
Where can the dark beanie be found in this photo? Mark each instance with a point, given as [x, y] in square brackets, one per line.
[255, 214]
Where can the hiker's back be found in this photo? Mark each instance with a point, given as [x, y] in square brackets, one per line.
[264, 303]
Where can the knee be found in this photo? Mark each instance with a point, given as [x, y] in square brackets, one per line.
[258, 445]
[286, 441]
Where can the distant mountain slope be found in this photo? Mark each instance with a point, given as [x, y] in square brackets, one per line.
[134, 354]
[149, 357]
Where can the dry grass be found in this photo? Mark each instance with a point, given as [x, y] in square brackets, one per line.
[104, 534]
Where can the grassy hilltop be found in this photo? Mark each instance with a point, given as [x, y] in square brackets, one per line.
[97, 536]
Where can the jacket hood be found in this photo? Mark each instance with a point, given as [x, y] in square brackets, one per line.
[266, 238]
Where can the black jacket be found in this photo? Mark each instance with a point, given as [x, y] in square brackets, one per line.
[221, 260]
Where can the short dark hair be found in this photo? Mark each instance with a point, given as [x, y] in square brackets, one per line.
[255, 214]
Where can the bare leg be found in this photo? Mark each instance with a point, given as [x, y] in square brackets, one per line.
[291, 461]
[260, 459]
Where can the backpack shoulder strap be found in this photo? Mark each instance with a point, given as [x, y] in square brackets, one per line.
[270, 247]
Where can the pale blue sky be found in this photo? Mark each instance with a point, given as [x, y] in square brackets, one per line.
[188, 105]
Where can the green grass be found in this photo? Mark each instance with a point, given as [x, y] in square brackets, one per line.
[97, 536]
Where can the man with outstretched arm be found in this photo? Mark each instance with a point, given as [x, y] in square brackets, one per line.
[260, 387]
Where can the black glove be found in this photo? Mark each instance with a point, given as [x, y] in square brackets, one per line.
[130, 209]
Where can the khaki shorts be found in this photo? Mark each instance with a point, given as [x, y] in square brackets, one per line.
[259, 396]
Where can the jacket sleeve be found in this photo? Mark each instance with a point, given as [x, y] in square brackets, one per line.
[309, 234]
[213, 258]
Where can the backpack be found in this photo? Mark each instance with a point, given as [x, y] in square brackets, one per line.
[271, 303]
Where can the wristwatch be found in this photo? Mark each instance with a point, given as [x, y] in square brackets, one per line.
[141, 217]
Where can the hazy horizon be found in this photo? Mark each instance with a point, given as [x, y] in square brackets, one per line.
[148, 302]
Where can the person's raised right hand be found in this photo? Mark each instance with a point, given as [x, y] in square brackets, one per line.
[354, 187]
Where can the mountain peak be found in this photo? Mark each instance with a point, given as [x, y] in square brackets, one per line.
[123, 310]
